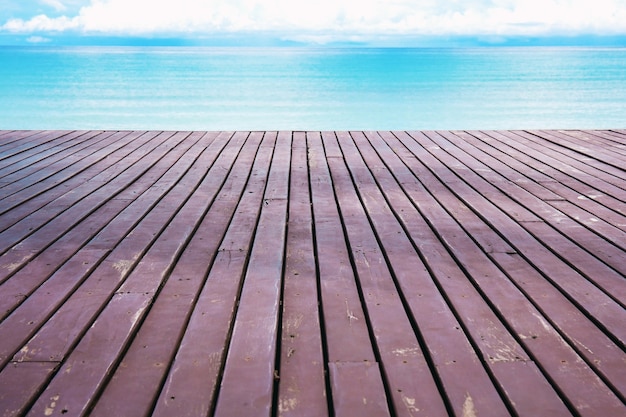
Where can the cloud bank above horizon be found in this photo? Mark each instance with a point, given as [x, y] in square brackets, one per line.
[320, 21]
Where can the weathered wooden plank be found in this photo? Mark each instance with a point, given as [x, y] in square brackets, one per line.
[347, 335]
[499, 350]
[145, 364]
[346, 329]
[486, 263]
[18, 206]
[609, 280]
[100, 166]
[200, 356]
[407, 371]
[81, 375]
[56, 338]
[16, 329]
[576, 167]
[596, 245]
[563, 176]
[32, 184]
[20, 384]
[302, 385]
[39, 268]
[560, 361]
[27, 140]
[522, 164]
[21, 165]
[599, 158]
[500, 217]
[605, 141]
[577, 328]
[249, 375]
[519, 208]
[73, 207]
[613, 137]
[42, 304]
[10, 136]
[132, 299]
[366, 398]
[60, 196]
[601, 220]
[499, 168]
[608, 160]
[590, 342]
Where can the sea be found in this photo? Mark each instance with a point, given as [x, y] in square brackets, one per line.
[311, 88]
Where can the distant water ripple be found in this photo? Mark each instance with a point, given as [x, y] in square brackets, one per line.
[311, 88]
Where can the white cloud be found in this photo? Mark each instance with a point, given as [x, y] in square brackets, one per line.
[41, 23]
[55, 4]
[335, 19]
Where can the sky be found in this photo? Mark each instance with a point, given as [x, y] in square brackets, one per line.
[316, 22]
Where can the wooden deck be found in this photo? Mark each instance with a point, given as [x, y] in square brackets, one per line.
[313, 273]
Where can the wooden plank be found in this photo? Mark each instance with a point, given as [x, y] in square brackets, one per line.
[608, 160]
[39, 268]
[145, 364]
[503, 217]
[588, 149]
[58, 197]
[346, 330]
[365, 398]
[519, 208]
[302, 385]
[568, 373]
[248, 380]
[56, 338]
[200, 356]
[570, 165]
[522, 164]
[609, 280]
[40, 305]
[99, 166]
[28, 140]
[407, 371]
[72, 207]
[347, 335]
[601, 160]
[603, 140]
[17, 206]
[499, 351]
[79, 380]
[447, 273]
[32, 184]
[498, 168]
[20, 384]
[562, 172]
[9, 136]
[19, 326]
[612, 137]
[81, 375]
[608, 252]
[563, 314]
[589, 341]
[22, 165]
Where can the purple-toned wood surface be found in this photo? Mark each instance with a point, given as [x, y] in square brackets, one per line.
[426, 273]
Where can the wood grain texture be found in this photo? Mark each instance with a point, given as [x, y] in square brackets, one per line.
[426, 273]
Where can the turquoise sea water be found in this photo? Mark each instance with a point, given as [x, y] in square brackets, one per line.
[181, 88]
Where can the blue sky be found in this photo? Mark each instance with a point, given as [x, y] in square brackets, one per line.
[317, 22]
